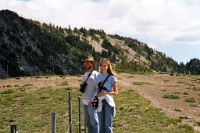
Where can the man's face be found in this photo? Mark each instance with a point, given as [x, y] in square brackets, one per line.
[88, 65]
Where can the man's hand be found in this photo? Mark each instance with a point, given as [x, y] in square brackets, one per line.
[90, 104]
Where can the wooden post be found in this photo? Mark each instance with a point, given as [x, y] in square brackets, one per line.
[79, 111]
[84, 125]
[13, 128]
[53, 122]
[70, 113]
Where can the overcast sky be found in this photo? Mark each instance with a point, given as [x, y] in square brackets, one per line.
[169, 26]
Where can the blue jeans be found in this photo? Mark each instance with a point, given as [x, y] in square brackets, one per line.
[106, 117]
[91, 118]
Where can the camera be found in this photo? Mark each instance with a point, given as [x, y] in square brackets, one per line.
[82, 87]
[101, 87]
[95, 102]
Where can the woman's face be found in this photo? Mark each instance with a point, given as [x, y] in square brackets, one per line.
[104, 67]
[88, 65]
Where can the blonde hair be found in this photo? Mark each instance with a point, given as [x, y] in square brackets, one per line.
[110, 70]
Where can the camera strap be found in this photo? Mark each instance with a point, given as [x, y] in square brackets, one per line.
[104, 81]
[96, 100]
[88, 76]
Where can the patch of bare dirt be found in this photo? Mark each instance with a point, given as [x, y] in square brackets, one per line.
[154, 87]
[158, 85]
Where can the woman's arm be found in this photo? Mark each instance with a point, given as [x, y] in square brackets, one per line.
[112, 93]
[115, 90]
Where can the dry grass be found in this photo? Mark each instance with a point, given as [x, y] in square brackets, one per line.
[150, 87]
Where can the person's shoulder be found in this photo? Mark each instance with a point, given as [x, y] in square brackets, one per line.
[113, 77]
[100, 75]
[95, 72]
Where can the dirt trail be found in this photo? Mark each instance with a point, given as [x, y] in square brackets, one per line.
[161, 84]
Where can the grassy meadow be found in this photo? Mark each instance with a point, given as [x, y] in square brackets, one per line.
[30, 108]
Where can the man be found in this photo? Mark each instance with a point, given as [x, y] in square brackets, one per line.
[88, 94]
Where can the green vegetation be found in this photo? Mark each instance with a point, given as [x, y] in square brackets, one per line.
[190, 84]
[180, 82]
[31, 111]
[186, 93]
[140, 83]
[172, 85]
[64, 83]
[26, 85]
[166, 80]
[191, 100]
[9, 91]
[8, 86]
[186, 127]
[171, 96]
[16, 85]
[198, 123]
[196, 89]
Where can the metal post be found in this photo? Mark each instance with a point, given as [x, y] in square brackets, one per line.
[13, 128]
[79, 111]
[70, 112]
[53, 122]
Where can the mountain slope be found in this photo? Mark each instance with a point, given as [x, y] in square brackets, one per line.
[32, 48]
[28, 48]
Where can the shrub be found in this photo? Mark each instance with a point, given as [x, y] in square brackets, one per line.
[171, 96]
[27, 85]
[8, 86]
[8, 91]
[140, 83]
[191, 100]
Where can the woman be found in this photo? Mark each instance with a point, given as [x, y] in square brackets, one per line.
[88, 94]
[107, 90]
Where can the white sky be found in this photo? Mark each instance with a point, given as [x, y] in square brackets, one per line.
[169, 26]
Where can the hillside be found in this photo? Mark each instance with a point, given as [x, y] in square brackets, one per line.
[28, 47]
